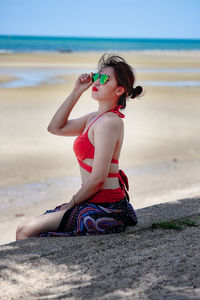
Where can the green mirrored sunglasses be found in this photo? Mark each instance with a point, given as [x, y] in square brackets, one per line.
[103, 77]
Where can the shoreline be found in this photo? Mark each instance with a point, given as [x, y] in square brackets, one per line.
[29, 77]
[143, 51]
[32, 69]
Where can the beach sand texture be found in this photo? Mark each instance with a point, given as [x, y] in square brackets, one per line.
[142, 263]
[161, 151]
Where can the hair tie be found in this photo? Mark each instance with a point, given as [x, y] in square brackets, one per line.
[132, 93]
[135, 92]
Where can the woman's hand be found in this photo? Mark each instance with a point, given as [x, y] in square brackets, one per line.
[83, 82]
[66, 206]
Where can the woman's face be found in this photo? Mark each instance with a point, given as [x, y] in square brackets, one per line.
[108, 90]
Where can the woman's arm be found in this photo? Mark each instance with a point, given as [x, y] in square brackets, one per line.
[59, 124]
[105, 142]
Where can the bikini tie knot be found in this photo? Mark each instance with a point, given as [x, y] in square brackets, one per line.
[116, 110]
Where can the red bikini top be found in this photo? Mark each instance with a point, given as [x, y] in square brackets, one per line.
[83, 148]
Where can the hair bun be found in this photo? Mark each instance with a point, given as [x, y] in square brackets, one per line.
[135, 92]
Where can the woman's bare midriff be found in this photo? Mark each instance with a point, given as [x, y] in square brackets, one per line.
[110, 182]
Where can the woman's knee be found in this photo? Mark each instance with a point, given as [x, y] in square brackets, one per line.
[24, 230]
[48, 222]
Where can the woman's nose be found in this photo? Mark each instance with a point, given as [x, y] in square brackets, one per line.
[97, 81]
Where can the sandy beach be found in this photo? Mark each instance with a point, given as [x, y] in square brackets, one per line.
[141, 263]
[161, 151]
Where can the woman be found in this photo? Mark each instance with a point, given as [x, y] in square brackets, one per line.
[102, 204]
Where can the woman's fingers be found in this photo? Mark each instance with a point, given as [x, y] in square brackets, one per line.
[85, 77]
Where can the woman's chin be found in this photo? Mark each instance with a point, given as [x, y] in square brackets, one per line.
[94, 96]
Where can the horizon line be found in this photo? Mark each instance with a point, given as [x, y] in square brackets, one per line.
[99, 37]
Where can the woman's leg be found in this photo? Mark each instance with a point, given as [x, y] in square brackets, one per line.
[47, 222]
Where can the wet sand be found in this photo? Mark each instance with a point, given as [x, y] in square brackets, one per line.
[161, 151]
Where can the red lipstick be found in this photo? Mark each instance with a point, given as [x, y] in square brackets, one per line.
[94, 89]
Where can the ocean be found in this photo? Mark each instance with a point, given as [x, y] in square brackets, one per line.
[12, 44]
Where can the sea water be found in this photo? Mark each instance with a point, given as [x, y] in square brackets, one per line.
[10, 43]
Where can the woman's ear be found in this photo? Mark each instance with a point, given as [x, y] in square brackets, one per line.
[120, 90]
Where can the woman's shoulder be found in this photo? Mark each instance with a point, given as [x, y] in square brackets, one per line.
[113, 118]
[91, 116]
[111, 121]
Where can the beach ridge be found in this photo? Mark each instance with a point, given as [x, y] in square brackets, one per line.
[141, 263]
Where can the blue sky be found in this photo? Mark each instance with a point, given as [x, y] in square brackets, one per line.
[104, 18]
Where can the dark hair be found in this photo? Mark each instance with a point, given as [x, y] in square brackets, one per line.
[124, 75]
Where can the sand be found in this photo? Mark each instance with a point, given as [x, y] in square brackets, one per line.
[142, 263]
[161, 152]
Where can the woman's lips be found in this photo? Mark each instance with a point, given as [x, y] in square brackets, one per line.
[94, 89]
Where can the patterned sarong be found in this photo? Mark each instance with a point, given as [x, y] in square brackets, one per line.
[94, 219]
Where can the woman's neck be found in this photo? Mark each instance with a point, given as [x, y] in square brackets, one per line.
[103, 107]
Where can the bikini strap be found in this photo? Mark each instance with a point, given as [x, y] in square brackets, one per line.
[96, 119]
[116, 111]
[89, 168]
